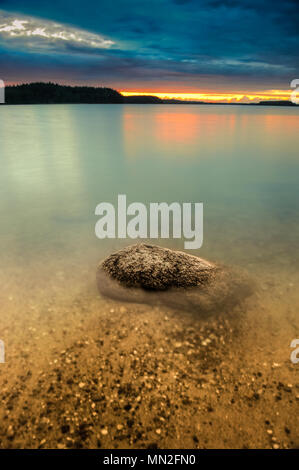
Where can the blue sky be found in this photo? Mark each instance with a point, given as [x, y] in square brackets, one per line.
[157, 45]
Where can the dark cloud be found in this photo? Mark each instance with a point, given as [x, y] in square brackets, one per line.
[250, 41]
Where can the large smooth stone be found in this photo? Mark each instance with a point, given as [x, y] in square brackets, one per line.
[155, 275]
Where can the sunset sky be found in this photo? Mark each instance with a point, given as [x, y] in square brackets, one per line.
[190, 49]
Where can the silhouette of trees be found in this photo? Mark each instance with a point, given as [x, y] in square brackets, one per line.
[50, 93]
[136, 99]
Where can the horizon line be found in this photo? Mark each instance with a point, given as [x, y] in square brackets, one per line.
[228, 97]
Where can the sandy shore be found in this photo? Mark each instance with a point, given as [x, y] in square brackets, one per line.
[82, 371]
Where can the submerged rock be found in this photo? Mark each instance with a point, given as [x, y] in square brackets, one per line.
[153, 267]
[152, 274]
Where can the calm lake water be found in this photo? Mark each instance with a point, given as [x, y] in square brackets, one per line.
[58, 162]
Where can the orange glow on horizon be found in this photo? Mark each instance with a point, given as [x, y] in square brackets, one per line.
[217, 97]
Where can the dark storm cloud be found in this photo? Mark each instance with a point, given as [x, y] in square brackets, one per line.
[162, 39]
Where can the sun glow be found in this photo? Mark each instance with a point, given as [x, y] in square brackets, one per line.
[217, 97]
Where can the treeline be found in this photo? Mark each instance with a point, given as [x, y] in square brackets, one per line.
[277, 103]
[139, 99]
[50, 93]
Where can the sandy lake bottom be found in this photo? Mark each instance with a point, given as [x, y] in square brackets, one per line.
[85, 371]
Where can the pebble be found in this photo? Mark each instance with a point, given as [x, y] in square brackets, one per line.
[10, 431]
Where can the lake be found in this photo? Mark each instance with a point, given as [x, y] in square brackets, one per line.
[59, 161]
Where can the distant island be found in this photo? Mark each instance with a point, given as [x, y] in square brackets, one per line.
[52, 93]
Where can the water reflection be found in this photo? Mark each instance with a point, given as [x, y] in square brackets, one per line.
[59, 162]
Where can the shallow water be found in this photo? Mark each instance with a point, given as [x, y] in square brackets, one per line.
[58, 162]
